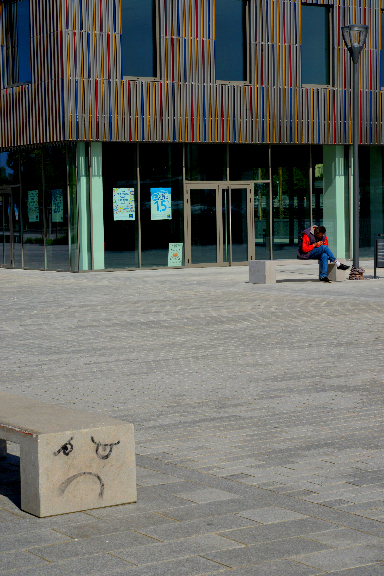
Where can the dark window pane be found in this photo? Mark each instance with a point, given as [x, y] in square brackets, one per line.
[230, 45]
[121, 231]
[262, 228]
[24, 41]
[56, 207]
[382, 52]
[32, 207]
[318, 185]
[203, 226]
[161, 168]
[239, 225]
[315, 45]
[73, 205]
[18, 42]
[9, 167]
[139, 38]
[371, 197]
[290, 198]
[248, 162]
[206, 162]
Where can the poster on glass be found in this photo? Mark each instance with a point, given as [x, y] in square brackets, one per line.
[124, 204]
[57, 205]
[33, 205]
[175, 254]
[161, 204]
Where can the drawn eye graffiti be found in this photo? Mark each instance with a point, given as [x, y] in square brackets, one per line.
[66, 448]
[103, 451]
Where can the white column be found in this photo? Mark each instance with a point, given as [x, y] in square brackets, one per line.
[84, 207]
[96, 151]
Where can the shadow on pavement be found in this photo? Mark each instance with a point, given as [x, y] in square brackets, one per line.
[10, 479]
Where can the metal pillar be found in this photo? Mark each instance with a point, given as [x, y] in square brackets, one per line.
[355, 152]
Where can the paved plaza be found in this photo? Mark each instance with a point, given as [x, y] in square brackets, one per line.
[258, 413]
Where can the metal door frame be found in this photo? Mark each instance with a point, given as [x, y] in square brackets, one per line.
[219, 187]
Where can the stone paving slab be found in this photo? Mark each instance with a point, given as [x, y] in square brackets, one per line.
[185, 547]
[350, 557]
[257, 553]
[275, 568]
[247, 400]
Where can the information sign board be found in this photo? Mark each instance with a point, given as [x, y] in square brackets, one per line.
[175, 255]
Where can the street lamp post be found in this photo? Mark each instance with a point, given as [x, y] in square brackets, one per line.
[354, 37]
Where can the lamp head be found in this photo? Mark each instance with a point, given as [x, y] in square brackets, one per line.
[355, 36]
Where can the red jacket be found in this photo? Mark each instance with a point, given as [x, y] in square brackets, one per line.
[307, 246]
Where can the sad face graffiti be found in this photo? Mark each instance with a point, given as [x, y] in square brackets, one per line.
[85, 461]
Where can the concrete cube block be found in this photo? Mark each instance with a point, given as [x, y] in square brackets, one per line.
[262, 272]
[78, 470]
[70, 460]
[335, 274]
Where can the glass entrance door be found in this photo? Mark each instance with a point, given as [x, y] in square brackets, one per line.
[203, 229]
[10, 220]
[219, 224]
[236, 224]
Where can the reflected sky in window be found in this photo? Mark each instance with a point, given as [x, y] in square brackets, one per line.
[24, 41]
[230, 48]
[315, 45]
[139, 38]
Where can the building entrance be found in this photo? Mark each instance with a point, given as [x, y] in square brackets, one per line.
[10, 232]
[219, 224]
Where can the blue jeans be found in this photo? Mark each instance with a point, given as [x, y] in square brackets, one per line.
[322, 254]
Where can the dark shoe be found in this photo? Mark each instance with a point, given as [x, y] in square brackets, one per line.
[325, 279]
[343, 267]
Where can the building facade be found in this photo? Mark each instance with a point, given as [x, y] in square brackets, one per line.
[139, 134]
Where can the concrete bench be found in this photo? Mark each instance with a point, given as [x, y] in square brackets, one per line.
[69, 460]
[264, 271]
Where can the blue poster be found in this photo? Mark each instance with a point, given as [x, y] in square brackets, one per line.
[161, 204]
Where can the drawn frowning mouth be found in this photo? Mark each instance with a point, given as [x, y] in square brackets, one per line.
[64, 485]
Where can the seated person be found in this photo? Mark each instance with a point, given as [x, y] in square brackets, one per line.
[314, 244]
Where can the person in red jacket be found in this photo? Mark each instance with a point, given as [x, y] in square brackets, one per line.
[314, 244]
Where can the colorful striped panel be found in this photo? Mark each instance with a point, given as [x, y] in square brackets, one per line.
[77, 92]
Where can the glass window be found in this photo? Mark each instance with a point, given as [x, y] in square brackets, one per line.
[161, 202]
[382, 52]
[10, 218]
[32, 208]
[9, 167]
[56, 207]
[203, 226]
[290, 198]
[262, 228]
[121, 218]
[18, 41]
[231, 40]
[315, 45]
[206, 162]
[248, 162]
[139, 50]
[371, 197]
[73, 206]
